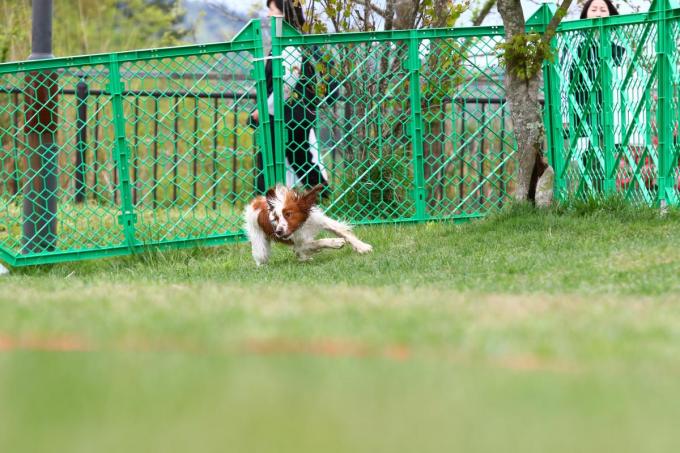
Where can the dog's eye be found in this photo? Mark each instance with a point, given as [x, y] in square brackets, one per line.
[286, 215]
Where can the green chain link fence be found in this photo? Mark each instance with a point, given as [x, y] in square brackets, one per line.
[614, 89]
[106, 155]
[416, 118]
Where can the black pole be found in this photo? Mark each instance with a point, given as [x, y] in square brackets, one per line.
[135, 159]
[81, 141]
[95, 153]
[154, 172]
[461, 184]
[40, 193]
[480, 160]
[175, 151]
[234, 151]
[195, 152]
[15, 144]
[502, 170]
[214, 156]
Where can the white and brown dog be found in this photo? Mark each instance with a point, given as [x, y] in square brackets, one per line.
[291, 217]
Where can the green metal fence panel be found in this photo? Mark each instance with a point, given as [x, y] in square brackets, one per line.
[108, 154]
[618, 80]
[411, 123]
[360, 118]
[666, 48]
[469, 147]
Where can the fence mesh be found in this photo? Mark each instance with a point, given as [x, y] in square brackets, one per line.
[148, 148]
[413, 125]
[192, 153]
[468, 147]
[619, 107]
[608, 80]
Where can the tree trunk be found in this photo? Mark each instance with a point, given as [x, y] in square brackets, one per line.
[525, 111]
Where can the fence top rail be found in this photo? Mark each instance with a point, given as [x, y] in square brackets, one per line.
[290, 36]
[233, 95]
[246, 40]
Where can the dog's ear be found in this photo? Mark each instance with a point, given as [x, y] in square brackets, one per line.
[310, 197]
[270, 196]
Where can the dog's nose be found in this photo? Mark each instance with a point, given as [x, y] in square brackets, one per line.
[279, 231]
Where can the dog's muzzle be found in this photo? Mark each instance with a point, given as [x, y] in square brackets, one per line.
[280, 234]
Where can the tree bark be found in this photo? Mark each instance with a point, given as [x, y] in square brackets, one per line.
[525, 110]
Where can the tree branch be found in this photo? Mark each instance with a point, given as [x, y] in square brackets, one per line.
[479, 16]
[380, 11]
[555, 21]
[389, 14]
[224, 10]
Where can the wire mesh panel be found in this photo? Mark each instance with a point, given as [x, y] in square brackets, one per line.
[412, 124]
[618, 87]
[634, 84]
[42, 204]
[192, 151]
[468, 145]
[374, 179]
[352, 100]
[607, 78]
[107, 154]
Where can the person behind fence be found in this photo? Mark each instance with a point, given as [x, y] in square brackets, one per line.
[585, 83]
[303, 162]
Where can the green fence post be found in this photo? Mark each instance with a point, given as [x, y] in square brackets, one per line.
[121, 155]
[277, 25]
[664, 123]
[605, 54]
[554, 128]
[551, 96]
[416, 126]
[263, 131]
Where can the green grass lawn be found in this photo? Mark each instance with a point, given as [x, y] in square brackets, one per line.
[530, 331]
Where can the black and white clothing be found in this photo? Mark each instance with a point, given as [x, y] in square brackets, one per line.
[303, 162]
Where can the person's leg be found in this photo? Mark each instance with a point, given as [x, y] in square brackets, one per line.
[586, 158]
[299, 152]
[259, 175]
[598, 169]
[260, 182]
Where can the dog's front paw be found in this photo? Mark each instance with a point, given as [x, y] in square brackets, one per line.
[362, 248]
[336, 243]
